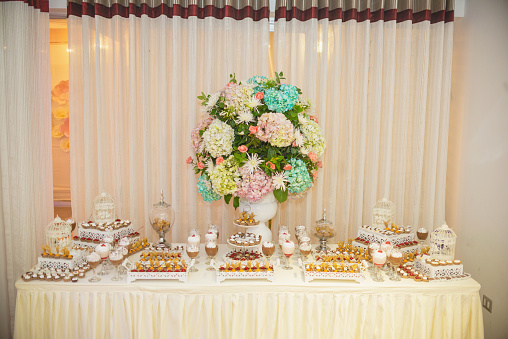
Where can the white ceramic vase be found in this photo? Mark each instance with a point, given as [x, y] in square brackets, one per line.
[265, 209]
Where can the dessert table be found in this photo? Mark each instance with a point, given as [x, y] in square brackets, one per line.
[285, 308]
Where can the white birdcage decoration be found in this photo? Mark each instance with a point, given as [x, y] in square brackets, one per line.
[383, 213]
[58, 233]
[442, 243]
[103, 208]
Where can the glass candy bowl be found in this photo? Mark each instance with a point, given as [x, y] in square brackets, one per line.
[323, 230]
[162, 217]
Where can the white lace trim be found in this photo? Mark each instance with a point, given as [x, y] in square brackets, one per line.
[439, 271]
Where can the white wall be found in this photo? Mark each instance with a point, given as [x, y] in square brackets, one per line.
[477, 179]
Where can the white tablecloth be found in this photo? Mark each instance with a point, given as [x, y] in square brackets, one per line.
[285, 308]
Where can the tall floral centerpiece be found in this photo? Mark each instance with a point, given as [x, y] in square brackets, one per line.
[257, 138]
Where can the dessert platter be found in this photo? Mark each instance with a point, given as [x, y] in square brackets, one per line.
[401, 237]
[333, 271]
[246, 220]
[440, 270]
[241, 256]
[62, 258]
[344, 263]
[90, 234]
[246, 270]
[157, 264]
[244, 240]
[39, 273]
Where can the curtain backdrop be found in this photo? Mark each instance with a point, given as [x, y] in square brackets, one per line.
[380, 74]
[26, 184]
[135, 74]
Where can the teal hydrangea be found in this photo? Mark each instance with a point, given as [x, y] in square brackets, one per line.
[259, 83]
[298, 176]
[281, 100]
[205, 189]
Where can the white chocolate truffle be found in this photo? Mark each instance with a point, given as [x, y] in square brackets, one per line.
[116, 256]
[379, 258]
[288, 247]
[194, 239]
[124, 242]
[210, 236]
[386, 247]
[268, 244]
[305, 246]
[93, 257]
[102, 250]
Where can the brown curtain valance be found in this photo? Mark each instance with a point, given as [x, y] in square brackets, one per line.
[43, 5]
[219, 9]
[362, 10]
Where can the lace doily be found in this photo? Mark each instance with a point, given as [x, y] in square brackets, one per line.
[98, 235]
[381, 238]
[78, 257]
[181, 276]
[223, 275]
[439, 271]
[404, 250]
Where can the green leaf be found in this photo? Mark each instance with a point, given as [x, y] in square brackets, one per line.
[271, 153]
[227, 198]
[280, 195]
[236, 202]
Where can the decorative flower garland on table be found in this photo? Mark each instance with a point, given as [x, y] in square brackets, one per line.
[257, 137]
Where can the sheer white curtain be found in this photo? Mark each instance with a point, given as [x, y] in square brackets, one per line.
[135, 74]
[380, 74]
[26, 183]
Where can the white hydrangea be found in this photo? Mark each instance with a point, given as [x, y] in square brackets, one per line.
[218, 139]
[313, 138]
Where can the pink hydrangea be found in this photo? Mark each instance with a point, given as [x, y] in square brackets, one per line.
[255, 186]
[276, 129]
[197, 140]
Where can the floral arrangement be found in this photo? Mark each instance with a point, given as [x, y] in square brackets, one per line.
[257, 137]
[60, 110]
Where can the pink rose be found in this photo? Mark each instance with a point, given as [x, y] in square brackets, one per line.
[314, 174]
[272, 166]
[242, 148]
[312, 156]
[320, 164]
[294, 143]
[313, 117]
[189, 160]
[260, 95]
[201, 165]
[287, 167]
[253, 129]
[219, 160]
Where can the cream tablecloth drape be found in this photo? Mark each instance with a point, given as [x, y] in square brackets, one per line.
[286, 308]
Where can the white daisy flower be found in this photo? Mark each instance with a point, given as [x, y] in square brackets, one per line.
[244, 117]
[253, 102]
[279, 180]
[252, 163]
[298, 138]
[212, 101]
